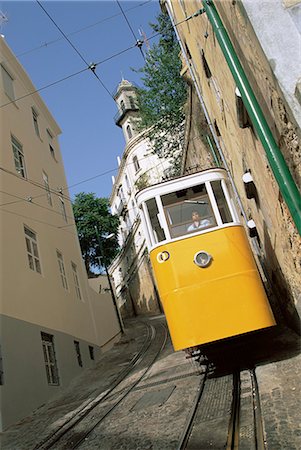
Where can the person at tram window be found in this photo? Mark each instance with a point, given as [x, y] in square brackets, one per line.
[197, 222]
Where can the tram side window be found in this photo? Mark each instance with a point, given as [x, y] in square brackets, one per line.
[153, 212]
[188, 211]
[221, 202]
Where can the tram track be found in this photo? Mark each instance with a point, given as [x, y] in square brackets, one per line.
[47, 441]
[240, 428]
[78, 429]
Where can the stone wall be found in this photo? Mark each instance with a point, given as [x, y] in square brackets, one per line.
[278, 239]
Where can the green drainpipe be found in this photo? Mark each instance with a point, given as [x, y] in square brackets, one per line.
[213, 152]
[275, 157]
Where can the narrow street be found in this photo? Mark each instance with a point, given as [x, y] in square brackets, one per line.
[143, 395]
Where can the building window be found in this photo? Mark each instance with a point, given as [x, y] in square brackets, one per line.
[47, 188]
[91, 352]
[120, 193]
[8, 83]
[205, 66]
[62, 269]
[218, 133]
[76, 281]
[78, 355]
[136, 164]
[50, 139]
[243, 118]
[18, 157]
[50, 359]
[49, 134]
[132, 102]
[128, 186]
[35, 121]
[63, 209]
[122, 106]
[32, 250]
[52, 152]
[129, 131]
[1, 368]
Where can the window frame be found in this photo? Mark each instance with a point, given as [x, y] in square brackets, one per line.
[163, 220]
[32, 250]
[78, 353]
[35, 116]
[186, 223]
[62, 271]
[50, 360]
[47, 187]
[76, 281]
[8, 83]
[129, 131]
[136, 164]
[19, 158]
[63, 209]
[91, 352]
[132, 102]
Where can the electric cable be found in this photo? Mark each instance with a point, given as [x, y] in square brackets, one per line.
[139, 43]
[87, 68]
[40, 221]
[59, 193]
[53, 83]
[30, 200]
[47, 44]
[91, 66]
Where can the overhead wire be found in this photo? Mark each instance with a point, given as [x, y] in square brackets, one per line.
[87, 68]
[91, 66]
[40, 221]
[59, 192]
[47, 44]
[139, 43]
[26, 200]
[40, 185]
[30, 200]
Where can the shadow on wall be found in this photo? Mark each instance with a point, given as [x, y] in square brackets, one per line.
[138, 294]
[282, 300]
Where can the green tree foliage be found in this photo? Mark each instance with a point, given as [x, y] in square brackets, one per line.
[162, 100]
[90, 212]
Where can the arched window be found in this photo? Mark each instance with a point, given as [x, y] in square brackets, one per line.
[129, 131]
[132, 102]
[122, 106]
[136, 163]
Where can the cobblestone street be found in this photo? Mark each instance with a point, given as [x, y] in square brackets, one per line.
[153, 416]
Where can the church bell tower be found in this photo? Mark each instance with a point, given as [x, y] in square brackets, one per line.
[126, 100]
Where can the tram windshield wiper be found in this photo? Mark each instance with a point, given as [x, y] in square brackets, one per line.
[199, 202]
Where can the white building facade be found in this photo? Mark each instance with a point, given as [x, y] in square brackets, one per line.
[138, 168]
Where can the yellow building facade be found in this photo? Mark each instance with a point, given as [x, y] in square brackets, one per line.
[238, 145]
[53, 324]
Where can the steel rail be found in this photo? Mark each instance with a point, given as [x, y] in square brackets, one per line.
[184, 438]
[233, 432]
[258, 425]
[84, 435]
[49, 440]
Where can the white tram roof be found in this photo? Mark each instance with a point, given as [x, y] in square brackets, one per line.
[179, 183]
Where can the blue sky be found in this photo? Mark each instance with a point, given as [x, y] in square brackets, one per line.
[90, 140]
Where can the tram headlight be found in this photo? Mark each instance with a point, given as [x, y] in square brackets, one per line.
[202, 259]
[163, 256]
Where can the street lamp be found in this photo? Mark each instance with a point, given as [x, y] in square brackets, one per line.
[100, 239]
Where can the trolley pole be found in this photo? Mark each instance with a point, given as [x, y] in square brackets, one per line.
[102, 261]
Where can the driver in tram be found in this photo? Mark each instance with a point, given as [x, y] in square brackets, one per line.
[197, 222]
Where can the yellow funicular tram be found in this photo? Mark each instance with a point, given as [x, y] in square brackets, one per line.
[205, 272]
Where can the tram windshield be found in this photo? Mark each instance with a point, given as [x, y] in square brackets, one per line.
[189, 210]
